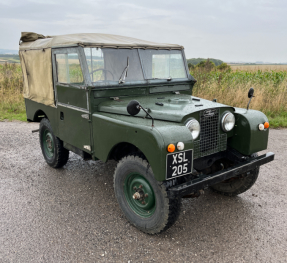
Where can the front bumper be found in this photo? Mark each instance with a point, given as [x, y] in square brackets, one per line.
[205, 181]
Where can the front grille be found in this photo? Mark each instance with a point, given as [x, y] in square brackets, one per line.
[210, 141]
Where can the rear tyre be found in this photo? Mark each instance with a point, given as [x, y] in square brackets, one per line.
[52, 147]
[239, 184]
[143, 199]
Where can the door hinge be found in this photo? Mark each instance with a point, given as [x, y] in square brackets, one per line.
[85, 116]
[87, 147]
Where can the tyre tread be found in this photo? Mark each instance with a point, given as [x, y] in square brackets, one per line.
[61, 154]
[173, 205]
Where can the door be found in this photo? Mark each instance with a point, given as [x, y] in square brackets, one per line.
[72, 98]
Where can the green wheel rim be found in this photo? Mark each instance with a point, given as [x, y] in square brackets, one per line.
[144, 206]
[48, 143]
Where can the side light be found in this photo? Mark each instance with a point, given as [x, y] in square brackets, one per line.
[180, 146]
[261, 127]
[266, 125]
[171, 148]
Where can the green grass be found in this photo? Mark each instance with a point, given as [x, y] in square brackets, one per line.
[13, 111]
[12, 116]
[277, 120]
[12, 106]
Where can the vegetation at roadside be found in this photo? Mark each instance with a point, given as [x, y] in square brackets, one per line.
[12, 105]
[209, 65]
[227, 86]
[195, 61]
[231, 88]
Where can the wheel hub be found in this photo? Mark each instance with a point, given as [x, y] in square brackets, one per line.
[48, 143]
[140, 195]
[137, 196]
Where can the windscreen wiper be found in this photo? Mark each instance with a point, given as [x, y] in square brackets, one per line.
[125, 73]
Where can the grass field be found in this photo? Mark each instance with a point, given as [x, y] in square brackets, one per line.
[229, 87]
[9, 58]
[258, 67]
[12, 105]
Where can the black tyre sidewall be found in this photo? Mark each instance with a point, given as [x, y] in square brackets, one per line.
[158, 220]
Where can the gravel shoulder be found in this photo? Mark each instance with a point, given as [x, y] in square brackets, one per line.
[71, 214]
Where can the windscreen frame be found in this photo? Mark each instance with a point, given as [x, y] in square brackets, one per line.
[145, 81]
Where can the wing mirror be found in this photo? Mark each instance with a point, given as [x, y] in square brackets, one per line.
[134, 108]
[250, 93]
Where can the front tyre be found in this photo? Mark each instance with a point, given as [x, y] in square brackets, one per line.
[52, 147]
[239, 184]
[143, 199]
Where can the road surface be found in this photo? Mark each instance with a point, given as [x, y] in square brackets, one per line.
[71, 215]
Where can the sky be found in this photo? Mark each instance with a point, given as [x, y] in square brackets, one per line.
[253, 30]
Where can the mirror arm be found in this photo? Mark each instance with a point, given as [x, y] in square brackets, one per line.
[249, 102]
[140, 107]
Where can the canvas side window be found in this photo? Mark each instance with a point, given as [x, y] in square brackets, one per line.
[69, 68]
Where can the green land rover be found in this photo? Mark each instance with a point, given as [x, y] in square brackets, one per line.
[109, 97]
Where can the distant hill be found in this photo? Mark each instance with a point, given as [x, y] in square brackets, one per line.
[10, 58]
[8, 51]
[255, 63]
[195, 61]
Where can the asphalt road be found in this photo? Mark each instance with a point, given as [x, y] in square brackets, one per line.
[71, 215]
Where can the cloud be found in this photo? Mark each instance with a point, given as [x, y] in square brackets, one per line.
[229, 30]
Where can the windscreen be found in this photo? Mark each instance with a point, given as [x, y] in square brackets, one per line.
[112, 65]
[119, 66]
[163, 64]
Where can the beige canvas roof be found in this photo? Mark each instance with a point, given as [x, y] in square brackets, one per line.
[31, 40]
